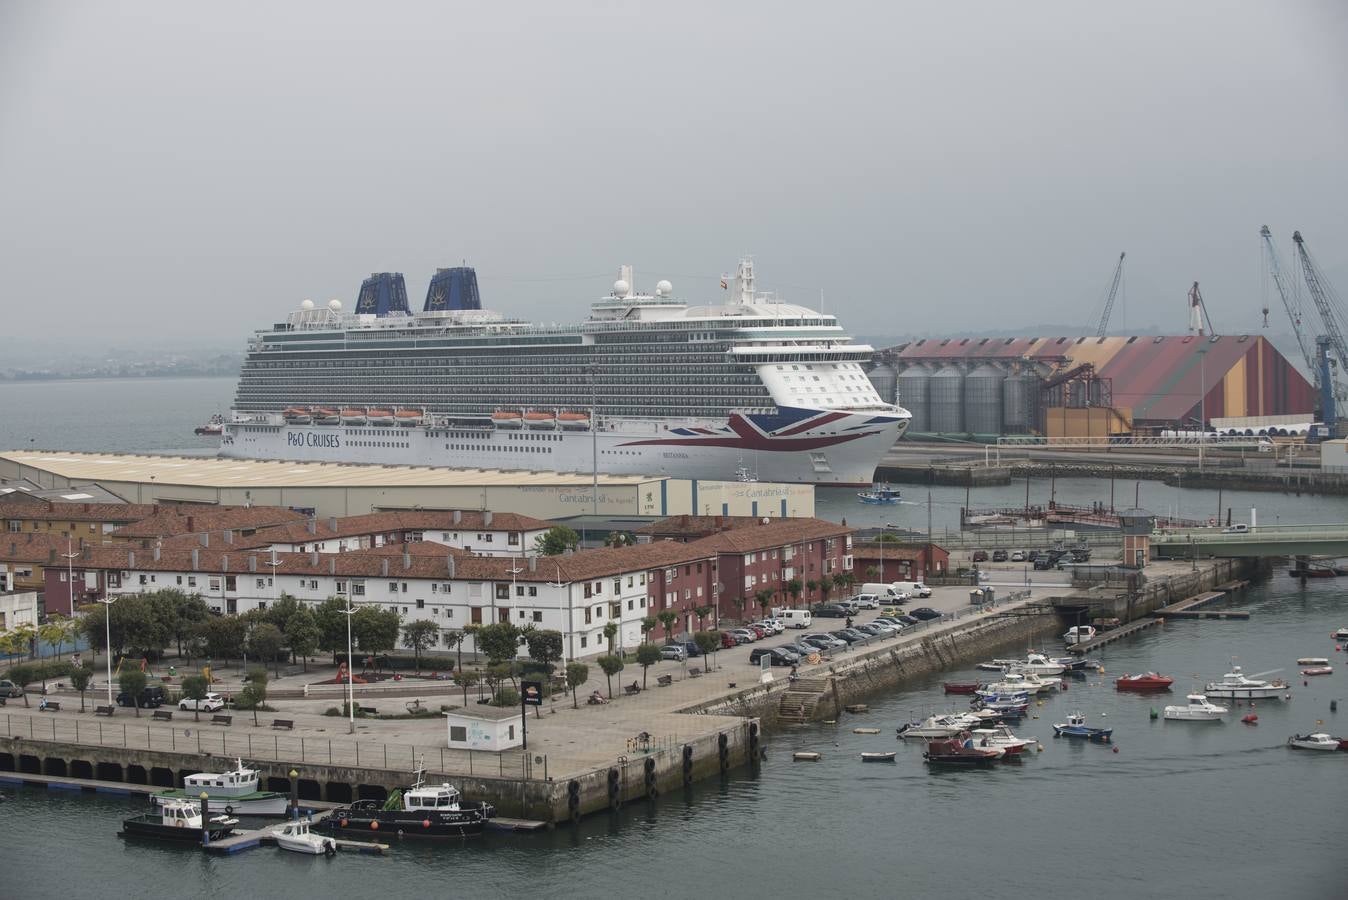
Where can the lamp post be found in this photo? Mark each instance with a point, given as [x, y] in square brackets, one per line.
[107, 646]
[350, 685]
[70, 555]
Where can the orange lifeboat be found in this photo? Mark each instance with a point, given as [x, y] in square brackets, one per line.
[324, 415]
[540, 419]
[409, 416]
[504, 418]
[353, 416]
[574, 420]
[298, 415]
[379, 416]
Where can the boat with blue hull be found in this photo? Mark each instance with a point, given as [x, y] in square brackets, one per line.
[1076, 727]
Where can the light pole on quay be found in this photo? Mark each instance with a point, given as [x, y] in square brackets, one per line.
[107, 646]
[350, 672]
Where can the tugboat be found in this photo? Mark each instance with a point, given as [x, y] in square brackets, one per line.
[880, 494]
[235, 791]
[177, 820]
[214, 426]
[1076, 727]
[422, 811]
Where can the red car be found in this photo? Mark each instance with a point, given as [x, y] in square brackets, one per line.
[728, 641]
[757, 629]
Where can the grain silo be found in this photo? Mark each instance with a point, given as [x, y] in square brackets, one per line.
[883, 379]
[914, 393]
[945, 412]
[1020, 403]
[983, 400]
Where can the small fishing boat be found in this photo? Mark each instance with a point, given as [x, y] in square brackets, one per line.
[877, 757]
[1340, 635]
[879, 494]
[1078, 634]
[297, 837]
[1198, 709]
[1235, 686]
[1076, 727]
[1148, 681]
[1317, 741]
[1313, 661]
[422, 811]
[961, 687]
[1001, 737]
[177, 820]
[960, 750]
[234, 791]
[1318, 670]
[942, 726]
[1033, 663]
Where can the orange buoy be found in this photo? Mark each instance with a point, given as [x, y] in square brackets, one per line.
[374, 826]
[425, 823]
[1116, 748]
[1251, 719]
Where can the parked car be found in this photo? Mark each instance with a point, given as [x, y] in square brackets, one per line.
[923, 613]
[890, 611]
[980, 556]
[909, 621]
[891, 621]
[759, 652]
[744, 635]
[830, 611]
[1238, 528]
[1017, 556]
[757, 629]
[850, 606]
[209, 703]
[866, 601]
[1081, 555]
[1045, 562]
[728, 640]
[785, 656]
[848, 636]
[151, 697]
[675, 652]
[999, 556]
[689, 647]
[880, 629]
[824, 641]
[10, 689]
[774, 626]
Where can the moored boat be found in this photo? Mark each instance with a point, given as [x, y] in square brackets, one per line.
[1198, 709]
[961, 687]
[1148, 681]
[961, 750]
[1317, 741]
[936, 726]
[878, 756]
[1236, 686]
[880, 494]
[1313, 661]
[297, 837]
[1001, 737]
[1318, 670]
[1034, 663]
[1340, 635]
[178, 820]
[1076, 727]
[1078, 634]
[234, 791]
[422, 811]
[214, 426]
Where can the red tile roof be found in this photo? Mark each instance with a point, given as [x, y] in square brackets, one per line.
[39, 509]
[168, 522]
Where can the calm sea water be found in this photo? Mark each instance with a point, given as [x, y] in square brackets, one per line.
[1193, 810]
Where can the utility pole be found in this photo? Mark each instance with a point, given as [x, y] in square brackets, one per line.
[70, 555]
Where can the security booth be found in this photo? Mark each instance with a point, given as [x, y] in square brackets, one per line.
[1137, 525]
[485, 728]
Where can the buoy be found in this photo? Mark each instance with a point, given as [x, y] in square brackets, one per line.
[1251, 719]
[1287, 696]
[1333, 706]
[374, 826]
[1305, 683]
[1116, 748]
[425, 823]
[1154, 716]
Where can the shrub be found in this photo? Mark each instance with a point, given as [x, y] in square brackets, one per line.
[506, 696]
[25, 673]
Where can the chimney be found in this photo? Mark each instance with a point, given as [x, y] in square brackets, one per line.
[449, 565]
[252, 562]
[383, 566]
[84, 552]
[313, 525]
[224, 563]
[486, 519]
[458, 516]
[156, 553]
[313, 559]
[407, 560]
[332, 523]
[229, 536]
[332, 566]
[205, 539]
[533, 564]
[196, 559]
[51, 556]
[131, 559]
[191, 520]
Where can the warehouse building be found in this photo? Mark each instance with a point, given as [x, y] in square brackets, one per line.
[1087, 386]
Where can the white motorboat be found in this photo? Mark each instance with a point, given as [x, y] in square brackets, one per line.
[297, 837]
[1000, 737]
[1236, 686]
[943, 726]
[1198, 709]
[1341, 634]
[1313, 661]
[1316, 741]
[1078, 634]
[1035, 664]
[236, 791]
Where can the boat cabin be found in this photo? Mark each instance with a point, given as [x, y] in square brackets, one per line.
[180, 814]
[235, 782]
[440, 796]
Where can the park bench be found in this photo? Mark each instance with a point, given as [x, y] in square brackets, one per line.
[632, 689]
[695, 672]
[49, 706]
[368, 710]
[221, 719]
[162, 715]
[283, 723]
[104, 710]
[665, 680]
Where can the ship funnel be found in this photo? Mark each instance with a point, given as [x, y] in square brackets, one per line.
[382, 293]
[452, 289]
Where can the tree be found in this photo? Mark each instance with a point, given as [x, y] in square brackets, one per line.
[375, 629]
[454, 641]
[265, 643]
[577, 673]
[667, 618]
[610, 632]
[331, 620]
[764, 598]
[80, 676]
[873, 573]
[57, 630]
[708, 642]
[132, 681]
[191, 617]
[811, 586]
[499, 641]
[556, 541]
[545, 647]
[611, 665]
[195, 688]
[701, 612]
[619, 539]
[225, 636]
[465, 680]
[301, 632]
[254, 693]
[279, 613]
[793, 587]
[648, 624]
[647, 655]
[418, 636]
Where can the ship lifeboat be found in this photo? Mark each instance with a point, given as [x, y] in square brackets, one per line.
[409, 416]
[539, 419]
[353, 416]
[297, 415]
[574, 420]
[325, 416]
[503, 418]
[379, 416]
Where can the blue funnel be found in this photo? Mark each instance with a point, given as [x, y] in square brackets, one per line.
[382, 293]
[454, 288]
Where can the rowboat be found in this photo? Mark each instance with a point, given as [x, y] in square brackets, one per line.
[878, 757]
[961, 687]
[1318, 670]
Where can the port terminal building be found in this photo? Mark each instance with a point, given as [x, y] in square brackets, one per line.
[1087, 386]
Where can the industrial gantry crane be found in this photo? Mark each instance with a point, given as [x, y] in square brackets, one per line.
[1109, 298]
[1331, 347]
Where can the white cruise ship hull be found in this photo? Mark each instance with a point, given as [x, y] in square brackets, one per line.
[794, 446]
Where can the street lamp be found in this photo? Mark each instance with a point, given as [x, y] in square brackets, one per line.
[350, 687]
[107, 646]
[70, 555]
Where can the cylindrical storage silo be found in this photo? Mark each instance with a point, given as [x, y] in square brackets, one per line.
[945, 399]
[983, 400]
[883, 380]
[1020, 403]
[914, 386]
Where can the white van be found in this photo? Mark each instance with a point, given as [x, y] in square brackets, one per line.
[797, 618]
[885, 593]
[912, 588]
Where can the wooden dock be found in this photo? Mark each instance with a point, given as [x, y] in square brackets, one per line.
[63, 783]
[505, 823]
[1109, 637]
[1189, 608]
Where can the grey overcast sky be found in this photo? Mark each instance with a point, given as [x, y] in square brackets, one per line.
[191, 170]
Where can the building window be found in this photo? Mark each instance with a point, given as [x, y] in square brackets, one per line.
[476, 617]
[514, 539]
[191, 581]
[358, 588]
[231, 583]
[519, 590]
[260, 582]
[215, 584]
[421, 604]
[142, 577]
[538, 615]
[503, 592]
[458, 733]
[341, 587]
[583, 639]
[533, 591]
[393, 587]
[587, 619]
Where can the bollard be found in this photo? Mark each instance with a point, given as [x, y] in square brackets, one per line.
[205, 818]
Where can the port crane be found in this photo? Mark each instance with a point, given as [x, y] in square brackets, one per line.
[1331, 347]
[1293, 312]
[1109, 298]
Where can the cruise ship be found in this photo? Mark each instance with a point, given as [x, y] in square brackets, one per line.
[649, 384]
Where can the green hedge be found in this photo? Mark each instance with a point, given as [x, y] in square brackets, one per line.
[27, 673]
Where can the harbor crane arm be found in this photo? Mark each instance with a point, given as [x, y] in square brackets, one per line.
[1275, 269]
[1109, 298]
[1325, 302]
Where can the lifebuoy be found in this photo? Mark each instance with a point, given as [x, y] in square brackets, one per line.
[178, 823]
[1212, 522]
[229, 810]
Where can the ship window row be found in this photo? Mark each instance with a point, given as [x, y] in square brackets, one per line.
[495, 448]
[379, 444]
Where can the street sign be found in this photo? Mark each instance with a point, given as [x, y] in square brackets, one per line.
[531, 693]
